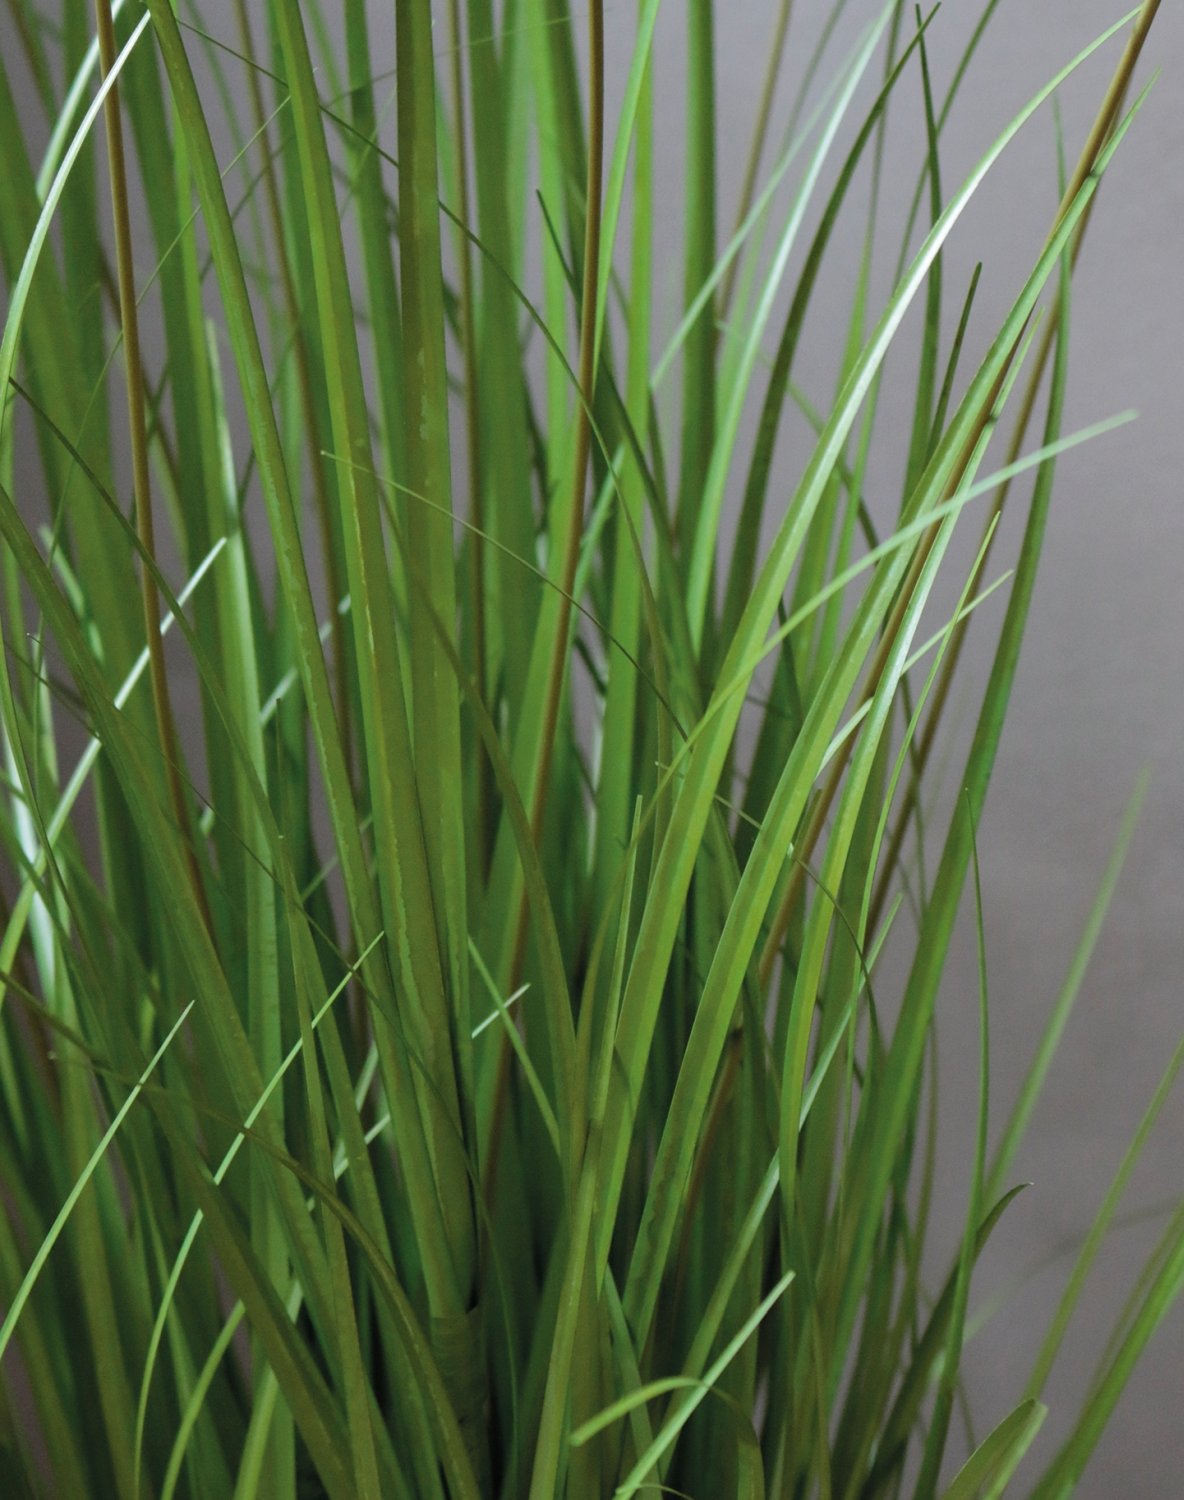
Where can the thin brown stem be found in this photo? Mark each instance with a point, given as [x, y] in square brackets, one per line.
[1102, 129]
[556, 669]
[764, 115]
[1095, 144]
[138, 436]
[473, 424]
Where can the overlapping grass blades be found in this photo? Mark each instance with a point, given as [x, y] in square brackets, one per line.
[458, 1061]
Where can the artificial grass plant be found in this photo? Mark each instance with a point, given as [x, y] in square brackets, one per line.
[457, 800]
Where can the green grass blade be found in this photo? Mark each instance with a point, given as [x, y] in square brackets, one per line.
[16, 1307]
[996, 1458]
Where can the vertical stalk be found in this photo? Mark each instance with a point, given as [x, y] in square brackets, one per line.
[558, 662]
[138, 436]
[308, 405]
[473, 424]
[435, 798]
[698, 388]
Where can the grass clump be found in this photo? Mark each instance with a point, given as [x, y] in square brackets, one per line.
[455, 805]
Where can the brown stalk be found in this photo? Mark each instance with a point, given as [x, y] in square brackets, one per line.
[763, 116]
[1103, 126]
[138, 435]
[473, 423]
[556, 668]
[1095, 143]
[557, 664]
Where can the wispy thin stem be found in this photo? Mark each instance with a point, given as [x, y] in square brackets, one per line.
[760, 135]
